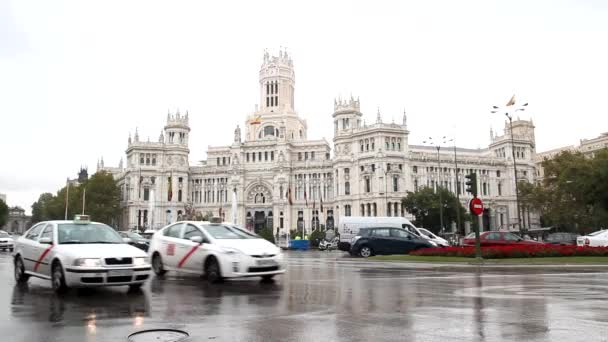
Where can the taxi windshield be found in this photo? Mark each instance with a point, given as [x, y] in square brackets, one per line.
[4, 235]
[72, 233]
[228, 232]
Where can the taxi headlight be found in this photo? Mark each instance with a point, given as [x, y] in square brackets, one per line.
[87, 262]
[141, 261]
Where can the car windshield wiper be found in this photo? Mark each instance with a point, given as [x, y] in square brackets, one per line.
[70, 242]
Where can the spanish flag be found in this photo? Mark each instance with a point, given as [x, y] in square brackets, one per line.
[256, 120]
[511, 101]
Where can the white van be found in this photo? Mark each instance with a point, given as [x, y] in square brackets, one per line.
[349, 226]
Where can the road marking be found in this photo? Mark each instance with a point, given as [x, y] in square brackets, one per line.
[190, 252]
[46, 251]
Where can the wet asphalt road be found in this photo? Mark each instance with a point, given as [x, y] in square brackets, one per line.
[324, 297]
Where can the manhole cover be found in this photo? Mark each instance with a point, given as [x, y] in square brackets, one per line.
[159, 335]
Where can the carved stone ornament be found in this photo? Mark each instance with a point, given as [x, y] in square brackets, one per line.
[259, 189]
[169, 160]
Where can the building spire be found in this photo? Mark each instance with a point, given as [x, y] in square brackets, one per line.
[404, 118]
[378, 118]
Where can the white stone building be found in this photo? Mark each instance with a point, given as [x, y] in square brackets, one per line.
[371, 169]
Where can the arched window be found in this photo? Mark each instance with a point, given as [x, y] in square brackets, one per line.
[347, 188]
[269, 130]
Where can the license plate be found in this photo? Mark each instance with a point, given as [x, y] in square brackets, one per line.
[120, 273]
[268, 262]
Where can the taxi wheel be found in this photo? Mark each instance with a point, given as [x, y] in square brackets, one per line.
[212, 271]
[58, 278]
[20, 275]
[157, 265]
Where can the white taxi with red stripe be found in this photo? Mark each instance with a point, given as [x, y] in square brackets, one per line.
[79, 253]
[215, 250]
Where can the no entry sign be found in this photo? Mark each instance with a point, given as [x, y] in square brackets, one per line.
[476, 206]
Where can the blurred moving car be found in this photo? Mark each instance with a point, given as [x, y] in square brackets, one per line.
[562, 239]
[378, 241]
[595, 239]
[6, 241]
[79, 253]
[135, 240]
[214, 250]
[497, 238]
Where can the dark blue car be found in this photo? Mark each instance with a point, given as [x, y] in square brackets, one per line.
[378, 241]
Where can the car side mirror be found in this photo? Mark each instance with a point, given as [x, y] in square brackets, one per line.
[126, 240]
[197, 239]
[45, 241]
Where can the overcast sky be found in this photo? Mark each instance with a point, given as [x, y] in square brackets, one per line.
[77, 76]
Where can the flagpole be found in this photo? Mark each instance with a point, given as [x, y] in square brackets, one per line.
[67, 195]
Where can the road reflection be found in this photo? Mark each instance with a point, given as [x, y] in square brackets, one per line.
[78, 307]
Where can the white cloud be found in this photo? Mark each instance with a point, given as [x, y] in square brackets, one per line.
[78, 76]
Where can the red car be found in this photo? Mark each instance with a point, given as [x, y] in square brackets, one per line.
[494, 238]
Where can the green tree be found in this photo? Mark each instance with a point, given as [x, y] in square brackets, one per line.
[574, 193]
[40, 208]
[102, 201]
[424, 205]
[102, 198]
[3, 213]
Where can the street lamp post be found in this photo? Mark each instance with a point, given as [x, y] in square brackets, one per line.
[437, 145]
[457, 187]
[496, 109]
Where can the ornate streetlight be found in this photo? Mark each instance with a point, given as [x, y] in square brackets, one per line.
[510, 109]
[437, 144]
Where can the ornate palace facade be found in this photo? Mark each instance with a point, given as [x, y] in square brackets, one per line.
[371, 168]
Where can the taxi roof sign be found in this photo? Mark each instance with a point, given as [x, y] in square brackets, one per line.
[82, 219]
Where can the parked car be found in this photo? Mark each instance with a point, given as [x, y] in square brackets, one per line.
[377, 241]
[136, 240]
[497, 238]
[441, 242]
[595, 239]
[561, 239]
[348, 227]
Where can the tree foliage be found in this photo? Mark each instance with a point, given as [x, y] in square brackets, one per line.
[102, 201]
[3, 213]
[573, 194]
[424, 205]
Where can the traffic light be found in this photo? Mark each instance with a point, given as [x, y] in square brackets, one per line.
[471, 184]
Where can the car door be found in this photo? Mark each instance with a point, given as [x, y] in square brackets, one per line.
[28, 246]
[402, 241]
[170, 239]
[191, 254]
[43, 251]
[381, 241]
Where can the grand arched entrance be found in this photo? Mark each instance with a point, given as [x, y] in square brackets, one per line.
[259, 208]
